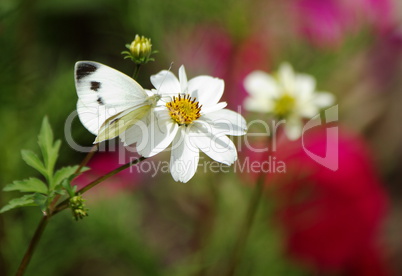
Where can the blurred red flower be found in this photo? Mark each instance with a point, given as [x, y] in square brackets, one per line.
[331, 219]
[104, 162]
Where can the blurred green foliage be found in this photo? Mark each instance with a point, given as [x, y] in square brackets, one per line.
[162, 227]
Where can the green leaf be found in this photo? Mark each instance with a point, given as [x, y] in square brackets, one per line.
[84, 169]
[62, 174]
[49, 150]
[26, 200]
[45, 140]
[60, 192]
[54, 154]
[27, 185]
[70, 189]
[33, 160]
[41, 201]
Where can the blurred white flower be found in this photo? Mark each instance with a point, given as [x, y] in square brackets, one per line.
[192, 119]
[287, 95]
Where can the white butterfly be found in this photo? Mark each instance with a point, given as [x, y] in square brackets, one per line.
[109, 102]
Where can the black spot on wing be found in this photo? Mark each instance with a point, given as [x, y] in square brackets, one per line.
[95, 85]
[85, 69]
[100, 101]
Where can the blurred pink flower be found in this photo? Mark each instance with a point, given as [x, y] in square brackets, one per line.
[322, 22]
[327, 22]
[203, 50]
[331, 219]
[211, 50]
[103, 163]
[250, 54]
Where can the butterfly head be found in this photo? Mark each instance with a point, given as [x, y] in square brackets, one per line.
[154, 99]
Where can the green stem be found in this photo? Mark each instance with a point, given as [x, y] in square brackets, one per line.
[32, 245]
[61, 206]
[83, 163]
[106, 176]
[64, 204]
[88, 157]
[247, 224]
[136, 71]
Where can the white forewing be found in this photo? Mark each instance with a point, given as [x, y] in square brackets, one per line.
[93, 115]
[104, 92]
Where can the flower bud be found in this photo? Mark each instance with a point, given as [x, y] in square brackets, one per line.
[140, 50]
[78, 207]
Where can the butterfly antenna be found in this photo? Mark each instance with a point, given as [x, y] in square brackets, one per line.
[169, 70]
[157, 119]
[171, 65]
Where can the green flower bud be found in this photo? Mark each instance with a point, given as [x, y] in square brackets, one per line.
[78, 207]
[140, 50]
[141, 47]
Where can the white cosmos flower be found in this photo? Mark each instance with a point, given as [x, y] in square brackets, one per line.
[287, 95]
[191, 119]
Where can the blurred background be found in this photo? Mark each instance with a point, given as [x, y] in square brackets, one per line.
[311, 221]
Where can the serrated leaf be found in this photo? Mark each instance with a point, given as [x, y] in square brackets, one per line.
[33, 160]
[26, 200]
[27, 185]
[45, 139]
[62, 174]
[70, 189]
[41, 201]
[49, 150]
[84, 169]
[60, 192]
[54, 154]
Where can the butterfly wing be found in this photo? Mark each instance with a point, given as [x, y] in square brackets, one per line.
[120, 122]
[104, 92]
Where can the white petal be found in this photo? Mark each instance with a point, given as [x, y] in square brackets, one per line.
[286, 77]
[134, 133]
[213, 108]
[166, 83]
[184, 158]
[158, 136]
[308, 110]
[324, 99]
[305, 86]
[258, 105]
[293, 128]
[183, 79]
[226, 121]
[152, 136]
[206, 89]
[218, 147]
[261, 85]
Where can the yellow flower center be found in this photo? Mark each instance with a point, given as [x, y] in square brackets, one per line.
[284, 105]
[184, 110]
